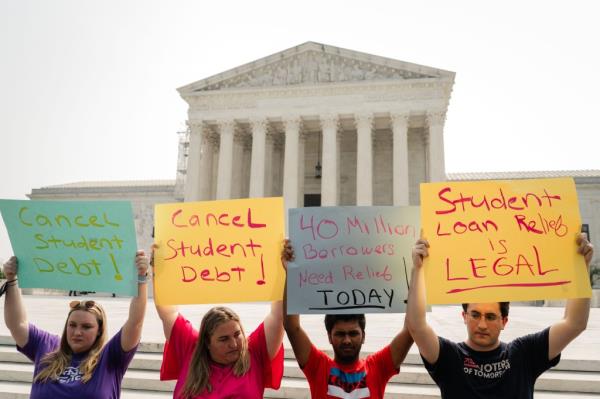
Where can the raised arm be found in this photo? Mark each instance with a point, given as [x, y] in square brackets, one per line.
[168, 316]
[400, 345]
[274, 328]
[15, 315]
[424, 336]
[298, 338]
[577, 310]
[166, 313]
[132, 329]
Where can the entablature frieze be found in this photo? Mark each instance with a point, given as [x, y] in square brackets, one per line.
[381, 119]
[367, 92]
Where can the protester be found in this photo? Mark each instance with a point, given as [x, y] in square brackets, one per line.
[78, 364]
[346, 375]
[218, 360]
[483, 366]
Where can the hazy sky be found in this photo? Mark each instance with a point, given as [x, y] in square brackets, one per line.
[87, 88]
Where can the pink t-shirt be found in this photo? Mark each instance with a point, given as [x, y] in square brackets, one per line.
[263, 372]
[366, 378]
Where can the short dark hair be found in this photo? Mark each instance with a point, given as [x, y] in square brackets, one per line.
[504, 308]
[331, 319]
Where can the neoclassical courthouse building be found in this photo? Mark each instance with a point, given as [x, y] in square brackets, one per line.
[318, 125]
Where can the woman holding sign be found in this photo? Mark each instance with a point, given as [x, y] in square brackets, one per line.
[219, 360]
[78, 364]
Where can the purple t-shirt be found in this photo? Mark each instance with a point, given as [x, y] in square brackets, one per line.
[106, 379]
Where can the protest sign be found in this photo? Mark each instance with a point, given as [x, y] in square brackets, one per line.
[73, 245]
[219, 251]
[350, 259]
[512, 240]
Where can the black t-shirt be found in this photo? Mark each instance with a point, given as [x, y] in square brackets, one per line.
[508, 371]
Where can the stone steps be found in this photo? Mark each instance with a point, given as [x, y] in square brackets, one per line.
[298, 389]
[20, 390]
[571, 379]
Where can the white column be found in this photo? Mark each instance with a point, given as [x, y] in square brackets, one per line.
[290, 163]
[269, 173]
[237, 165]
[246, 163]
[435, 149]
[225, 160]
[400, 156]
[301, 167]
[329, 179]
[364, 160]
[206, 164]
[257, 163]
[214, 172]
[338, 146]
[278, 160]
[192, 179]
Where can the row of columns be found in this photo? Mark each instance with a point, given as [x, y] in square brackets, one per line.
[200, 159]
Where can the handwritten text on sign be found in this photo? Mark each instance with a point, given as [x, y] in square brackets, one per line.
[350, 259]
[502, 240]
[87, 246]
[219, 251]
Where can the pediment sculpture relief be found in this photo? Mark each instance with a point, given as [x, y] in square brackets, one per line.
[314, 67]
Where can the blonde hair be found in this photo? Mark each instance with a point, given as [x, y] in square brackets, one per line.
[198, 377]
[57, 361]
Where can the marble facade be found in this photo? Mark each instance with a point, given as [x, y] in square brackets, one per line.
[373, 124]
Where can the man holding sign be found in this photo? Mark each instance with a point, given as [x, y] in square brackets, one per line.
[494, 241]
[347, 375]
[483, 366]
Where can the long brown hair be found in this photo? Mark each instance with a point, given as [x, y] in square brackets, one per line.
[57, 361]
[197, 379]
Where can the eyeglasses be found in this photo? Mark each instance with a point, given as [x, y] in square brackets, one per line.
[488, 316]
[82, 304]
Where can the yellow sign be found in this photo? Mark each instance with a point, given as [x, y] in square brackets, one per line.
[219, 251]
[511, 240]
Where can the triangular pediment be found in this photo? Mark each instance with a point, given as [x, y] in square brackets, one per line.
[314, 63]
